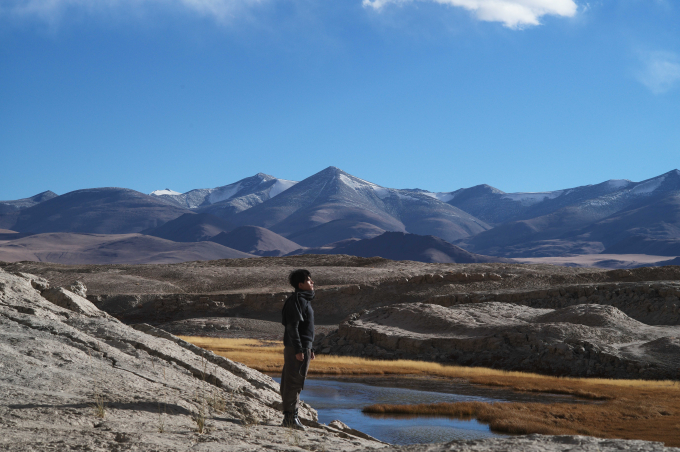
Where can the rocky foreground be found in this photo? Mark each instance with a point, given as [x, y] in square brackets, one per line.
[74, 378]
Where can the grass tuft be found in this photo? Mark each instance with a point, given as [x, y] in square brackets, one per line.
[515, 418]
[99, 406]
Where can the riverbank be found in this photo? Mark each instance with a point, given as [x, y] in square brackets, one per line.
[628, 409]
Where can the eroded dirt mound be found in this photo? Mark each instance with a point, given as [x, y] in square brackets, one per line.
[593, 315]
[581, 340]
[233, 328]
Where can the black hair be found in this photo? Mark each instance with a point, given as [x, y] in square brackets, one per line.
[298, 276]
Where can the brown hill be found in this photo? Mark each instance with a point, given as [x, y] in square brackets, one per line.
[256, 240]
[69, 248]
[400, 246]
[191, 227]
[335, 231]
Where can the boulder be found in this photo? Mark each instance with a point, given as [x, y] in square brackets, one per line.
[69, 300]
[78, 288]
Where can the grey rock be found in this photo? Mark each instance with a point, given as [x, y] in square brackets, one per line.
[74, 379]
[37, 282]
[78, 288]
[540, 443]
[69, 300]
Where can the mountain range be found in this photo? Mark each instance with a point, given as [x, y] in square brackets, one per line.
[264, 215]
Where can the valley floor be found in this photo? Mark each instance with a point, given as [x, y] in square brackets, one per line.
[627, 409]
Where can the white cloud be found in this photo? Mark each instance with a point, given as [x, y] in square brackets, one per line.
[661, 71]
[52, 10]
[512, 13]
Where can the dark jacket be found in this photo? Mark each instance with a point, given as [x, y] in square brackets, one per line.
[297, 316]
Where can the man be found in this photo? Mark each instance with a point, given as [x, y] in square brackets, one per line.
[298, 318]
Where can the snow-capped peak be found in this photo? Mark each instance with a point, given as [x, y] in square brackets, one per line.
[166, 191]
[223, 193]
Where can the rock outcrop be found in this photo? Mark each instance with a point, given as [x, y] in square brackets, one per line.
[69, 300]
[73, 377]
[580, 340]
[652, 302]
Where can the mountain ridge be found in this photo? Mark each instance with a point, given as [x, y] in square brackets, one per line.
[333, 194]
[332, 206]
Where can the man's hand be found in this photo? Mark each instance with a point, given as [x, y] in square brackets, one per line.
[301, 356]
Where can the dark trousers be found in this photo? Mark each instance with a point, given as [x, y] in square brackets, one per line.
[293, 378]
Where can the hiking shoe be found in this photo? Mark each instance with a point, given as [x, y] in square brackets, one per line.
[298, 423]
[291, 421]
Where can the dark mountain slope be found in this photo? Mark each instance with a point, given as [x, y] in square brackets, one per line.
[335, 231]
[97, 210]
[413, 247]
[640, 244]
[646, 228]
[256, 240]
[529, 232]
[571, 222]
[10, 206]
[191, 228]
[495, 207]
[9, 210]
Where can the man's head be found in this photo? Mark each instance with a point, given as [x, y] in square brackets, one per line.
[301, 279]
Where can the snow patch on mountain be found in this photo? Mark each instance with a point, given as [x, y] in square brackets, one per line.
[360, 184]
[648, 186]
[529, 199]
[443, 197]
[349, 182]
[281, 185]
[403, 196]
[166, 191]
[619, 183]
[381, 192]
[223, 193]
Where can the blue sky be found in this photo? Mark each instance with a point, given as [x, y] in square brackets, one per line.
[524, 95]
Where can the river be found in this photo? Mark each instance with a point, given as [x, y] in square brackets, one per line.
[344, 400]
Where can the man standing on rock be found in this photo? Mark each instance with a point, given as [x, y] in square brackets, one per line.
[298, 318]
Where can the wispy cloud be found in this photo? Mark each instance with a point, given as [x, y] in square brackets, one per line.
[512, 13]
[660, 72]
[52, 10]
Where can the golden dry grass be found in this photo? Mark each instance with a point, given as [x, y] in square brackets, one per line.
[521, 421]
[630, 409]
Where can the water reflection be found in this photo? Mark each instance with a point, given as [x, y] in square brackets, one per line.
[344, 401]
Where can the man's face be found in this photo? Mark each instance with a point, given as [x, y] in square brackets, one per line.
[307, 285]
